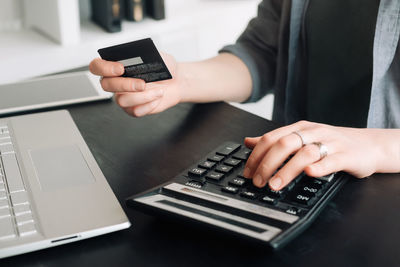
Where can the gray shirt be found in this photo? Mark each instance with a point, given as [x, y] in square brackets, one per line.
[270, 48]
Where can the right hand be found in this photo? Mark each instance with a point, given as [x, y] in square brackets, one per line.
[135, 96]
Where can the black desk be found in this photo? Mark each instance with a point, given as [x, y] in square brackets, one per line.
[360, 227]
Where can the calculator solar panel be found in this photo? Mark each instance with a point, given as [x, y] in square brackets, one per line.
[213, 191]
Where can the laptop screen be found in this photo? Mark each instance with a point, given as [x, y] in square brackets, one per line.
[40, 91]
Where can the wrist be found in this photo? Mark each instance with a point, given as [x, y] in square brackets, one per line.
[185, 81]
[388, 150]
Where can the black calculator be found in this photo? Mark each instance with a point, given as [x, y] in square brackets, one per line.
[214, 192]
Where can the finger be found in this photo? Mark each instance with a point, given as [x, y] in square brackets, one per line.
[264, 142]
[120, 84]
[286, 144]
[106, 68]
[129, 111]
[304, 157]
[274, 158]
[260, 148]
[138, 98]
[145, 109]
[251, 142]
[280, 151]
[330, 164]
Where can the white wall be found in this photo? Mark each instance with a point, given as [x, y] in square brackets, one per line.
[193, 30]
[10, 15]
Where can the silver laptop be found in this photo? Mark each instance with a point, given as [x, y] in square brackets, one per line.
[52, 191]
[51, 91]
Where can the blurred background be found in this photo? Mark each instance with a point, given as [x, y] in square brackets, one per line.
[41, 37]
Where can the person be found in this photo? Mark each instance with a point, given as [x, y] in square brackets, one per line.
[334, 69]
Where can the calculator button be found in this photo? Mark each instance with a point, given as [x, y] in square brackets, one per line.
[327, 178]
[233, 162]
[248, 194]
[197, 171]
[291, 185]
[269, 200]
[313, 182]
[216, 158]
[302, 199]
[254, 188]
[215, 176]
[207, 164]
[230, 189]
[194, 184]
[309, 190]
[223, 168]
[276, 194]
[242, 154]
[228, 149]
[293, 211]
[237, 181]
[240, 175]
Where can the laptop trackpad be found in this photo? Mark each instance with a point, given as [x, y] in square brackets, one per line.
[61, 167]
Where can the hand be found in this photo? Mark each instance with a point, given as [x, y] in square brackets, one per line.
[135, 96]
[359, 152]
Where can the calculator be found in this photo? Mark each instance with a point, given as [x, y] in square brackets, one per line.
[214, 192]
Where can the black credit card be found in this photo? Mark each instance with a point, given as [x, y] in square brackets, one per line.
[140, 59]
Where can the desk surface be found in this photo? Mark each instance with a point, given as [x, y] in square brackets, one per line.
[360, 226]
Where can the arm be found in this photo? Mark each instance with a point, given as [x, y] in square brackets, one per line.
[224, 77]
[246, 72]
[360, 152]
[211, 79]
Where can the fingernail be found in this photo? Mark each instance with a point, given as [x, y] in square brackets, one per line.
[258, 180]
[117, 70]
[247, 172]
[139, 86]
[136, 87]
[275, 183]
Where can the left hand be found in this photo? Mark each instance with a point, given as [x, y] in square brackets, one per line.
[360, 152]
[136, 97]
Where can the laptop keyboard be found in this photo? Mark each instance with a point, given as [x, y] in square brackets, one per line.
[214, 191]
[16, 218]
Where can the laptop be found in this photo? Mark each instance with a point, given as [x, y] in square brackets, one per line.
[51, 91]
[52, 191]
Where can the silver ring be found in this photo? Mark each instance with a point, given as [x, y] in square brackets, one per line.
[303, 141]
[323, 150]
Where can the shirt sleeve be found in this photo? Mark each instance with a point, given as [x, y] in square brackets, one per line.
[257, 47]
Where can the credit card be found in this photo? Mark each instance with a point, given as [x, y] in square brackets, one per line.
[141, 60]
